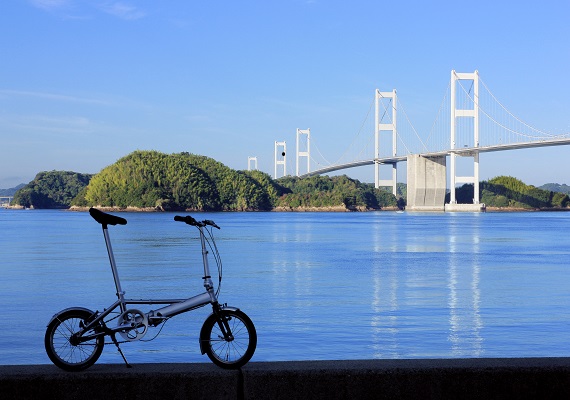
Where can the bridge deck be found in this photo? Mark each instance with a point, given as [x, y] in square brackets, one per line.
[460, 151]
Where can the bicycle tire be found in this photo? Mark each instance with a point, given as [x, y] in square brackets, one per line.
[60, 350]
[229, 354]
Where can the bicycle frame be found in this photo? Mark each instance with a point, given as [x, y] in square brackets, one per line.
[174, 307]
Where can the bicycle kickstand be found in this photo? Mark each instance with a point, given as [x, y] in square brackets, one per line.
[120, 351]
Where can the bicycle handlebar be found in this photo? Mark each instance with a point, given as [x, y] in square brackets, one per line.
[191, 221]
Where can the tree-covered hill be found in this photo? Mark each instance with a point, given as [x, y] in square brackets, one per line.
[509, 192]
[324, 191]
[51, 189]
[150, 179]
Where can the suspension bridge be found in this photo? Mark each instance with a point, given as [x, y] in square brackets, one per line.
[5, 200]
[470, 121]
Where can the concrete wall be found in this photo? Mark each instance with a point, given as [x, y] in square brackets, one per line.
[427, 183]
[523, 378]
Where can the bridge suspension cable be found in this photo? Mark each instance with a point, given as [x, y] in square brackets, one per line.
[442, 144]
[501, 126]
[313, 142]
[401, 107]
[515, 117]
[354, 139]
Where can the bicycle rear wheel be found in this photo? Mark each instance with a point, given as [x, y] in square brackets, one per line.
[65, 352]
[229, 354]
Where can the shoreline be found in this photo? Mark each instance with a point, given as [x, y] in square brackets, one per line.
[280, 209]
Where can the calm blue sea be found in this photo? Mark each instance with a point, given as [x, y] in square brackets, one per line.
[317, 285]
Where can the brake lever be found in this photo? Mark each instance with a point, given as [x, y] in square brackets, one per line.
[211, 223]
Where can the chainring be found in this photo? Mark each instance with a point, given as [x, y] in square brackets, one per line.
[138, 322]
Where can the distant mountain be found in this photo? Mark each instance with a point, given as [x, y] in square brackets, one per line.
[556, 187]
[10, 192]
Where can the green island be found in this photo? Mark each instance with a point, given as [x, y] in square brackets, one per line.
[154, 181]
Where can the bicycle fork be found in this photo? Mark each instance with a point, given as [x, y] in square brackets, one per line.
[223, 322]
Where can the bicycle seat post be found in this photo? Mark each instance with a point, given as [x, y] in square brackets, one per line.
[107, 219]
[120, 292]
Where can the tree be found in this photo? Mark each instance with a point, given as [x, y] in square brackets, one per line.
[506, 191]
[52, 189]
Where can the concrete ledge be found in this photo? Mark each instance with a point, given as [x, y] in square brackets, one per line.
[523, 378]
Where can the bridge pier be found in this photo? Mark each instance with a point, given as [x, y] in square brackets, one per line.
[427, 183]
[427, 186]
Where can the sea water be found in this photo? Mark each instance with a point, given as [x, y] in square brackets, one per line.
[318, 286]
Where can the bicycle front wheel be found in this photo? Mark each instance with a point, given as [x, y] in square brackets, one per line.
[63, 350]
[234, 353]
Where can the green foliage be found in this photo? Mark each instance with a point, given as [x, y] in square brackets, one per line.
[324, 191]
[560, 200]
[238, 190]
[152, 179]
[402, 190]
[506, 191]
[184, 181]
[273, 189]
[53, 189]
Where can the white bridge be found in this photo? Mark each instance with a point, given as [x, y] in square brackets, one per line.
[475, 122]
[5, 201]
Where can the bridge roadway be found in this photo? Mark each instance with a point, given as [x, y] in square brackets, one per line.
[459, 151]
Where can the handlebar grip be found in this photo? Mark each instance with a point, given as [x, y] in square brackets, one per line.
[187, 219]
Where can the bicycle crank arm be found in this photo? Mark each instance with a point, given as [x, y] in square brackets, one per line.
[125, 327]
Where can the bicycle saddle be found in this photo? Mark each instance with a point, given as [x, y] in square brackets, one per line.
[106, 219]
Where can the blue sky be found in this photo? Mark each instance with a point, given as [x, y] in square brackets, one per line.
[84, 83]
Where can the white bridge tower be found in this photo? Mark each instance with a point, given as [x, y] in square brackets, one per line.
[306, 152]
[280, 157]
[380, 126]
[251, 160]
[470, 110]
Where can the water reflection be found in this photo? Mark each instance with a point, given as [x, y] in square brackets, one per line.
[408, 286]
[384, 321]
[464, 301]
